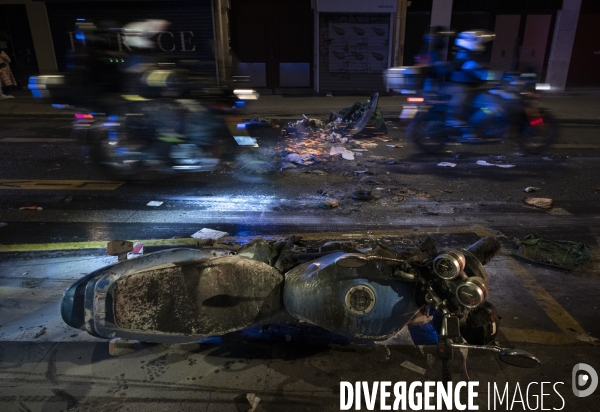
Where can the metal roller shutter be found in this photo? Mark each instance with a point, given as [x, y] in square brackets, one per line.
[346, 66]
[189, 37]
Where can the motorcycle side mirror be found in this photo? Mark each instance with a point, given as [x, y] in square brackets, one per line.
[351, 261]
[519, 358]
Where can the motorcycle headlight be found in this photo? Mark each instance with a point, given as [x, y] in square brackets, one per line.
[472, 292]
[449, 265]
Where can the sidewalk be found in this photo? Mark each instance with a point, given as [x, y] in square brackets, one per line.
[576, 107]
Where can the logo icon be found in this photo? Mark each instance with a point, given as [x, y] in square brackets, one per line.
[585, 380]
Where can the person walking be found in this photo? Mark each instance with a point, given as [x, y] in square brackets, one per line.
[6, 76]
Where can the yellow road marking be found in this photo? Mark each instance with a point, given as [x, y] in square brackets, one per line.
[566, 323]
[99, 244]
[536, 336]
[24, 184]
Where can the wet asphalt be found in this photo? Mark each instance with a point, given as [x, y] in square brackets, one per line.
[542, 308]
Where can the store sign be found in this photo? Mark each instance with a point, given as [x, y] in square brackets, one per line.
[180, 41]
[357, 6]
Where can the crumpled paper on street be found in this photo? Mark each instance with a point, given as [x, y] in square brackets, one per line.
[346, 154]
[485, 163]
[300, 159]
[209, 234]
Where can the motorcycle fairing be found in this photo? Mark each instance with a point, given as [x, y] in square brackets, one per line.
[319, 292]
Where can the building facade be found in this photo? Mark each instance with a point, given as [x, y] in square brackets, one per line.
[318, 46]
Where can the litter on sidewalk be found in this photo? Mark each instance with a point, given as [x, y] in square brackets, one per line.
[447, 164]
[531, 189]
[329, 203]
[584, 337]
[413, 367]
[540, 202]
[485, 163]
[209, 234]
[563, 254]
[154, 203]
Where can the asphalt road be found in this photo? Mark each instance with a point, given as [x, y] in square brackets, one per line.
[78, 208]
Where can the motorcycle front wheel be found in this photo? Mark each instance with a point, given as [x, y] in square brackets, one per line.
[537, 134]
[426, 132]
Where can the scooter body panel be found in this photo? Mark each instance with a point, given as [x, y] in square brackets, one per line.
[363, 303]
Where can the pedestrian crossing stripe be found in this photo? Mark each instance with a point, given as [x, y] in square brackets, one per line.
[23, 184]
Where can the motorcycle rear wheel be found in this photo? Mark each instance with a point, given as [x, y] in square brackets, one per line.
[536, 138]
[123, 158]
[425, 132]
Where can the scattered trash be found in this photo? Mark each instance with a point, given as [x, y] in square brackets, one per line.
[329, 203]
[32, 283]
[138, 250]
[361, 171]
[30, 208]
[447, 164]
[531, 189]
[300, 159]
[546, 158]
[362, 195]
[317, 172]
[120, 346]
[246, 141]
[41, 332]
[346, 154]
[391, 162]
[2, 224]
[541, 202]
[350, 120]
[154, 203]
[209, 234]
[394, 146]
[485, 163]
[584, 337]
[25, 273]
[254, 401]
[367, 144]
[413, 367]
[68, 199]
[563, 254]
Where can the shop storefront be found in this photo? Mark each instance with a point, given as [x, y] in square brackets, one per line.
[190, 36]
[353, 44]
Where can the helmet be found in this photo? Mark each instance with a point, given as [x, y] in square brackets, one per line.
[474, 40]
[138, 34]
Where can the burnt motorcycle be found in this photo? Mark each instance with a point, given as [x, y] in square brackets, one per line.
[505, 110]
[364, 294]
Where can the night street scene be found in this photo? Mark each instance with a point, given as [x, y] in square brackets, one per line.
[299, 205]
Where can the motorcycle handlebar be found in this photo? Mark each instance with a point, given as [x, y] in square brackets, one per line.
[485, 249]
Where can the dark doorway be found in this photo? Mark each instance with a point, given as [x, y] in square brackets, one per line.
[272, 43]
[16, 40]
